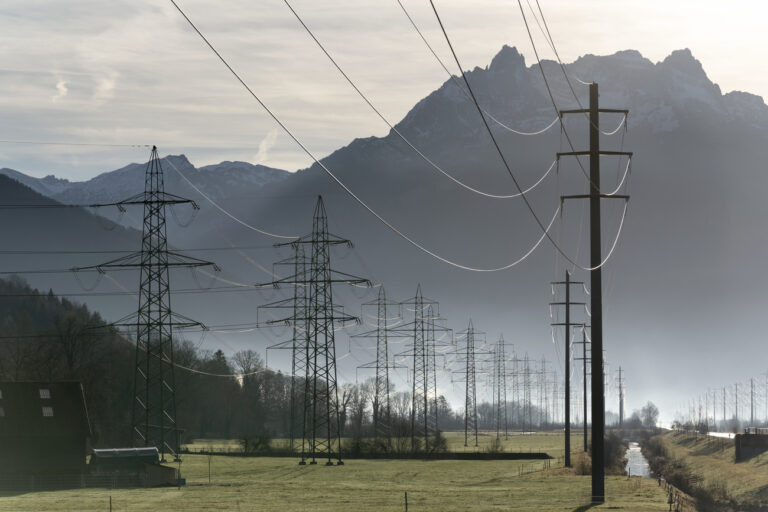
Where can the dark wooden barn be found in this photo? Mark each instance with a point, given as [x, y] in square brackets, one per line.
[44, 427]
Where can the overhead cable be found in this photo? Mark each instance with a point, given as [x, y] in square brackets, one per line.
[337, 180]
[93, 144]
[550, 40]
[222, 210]
[498, 148]
[461, 87]
[390, 125]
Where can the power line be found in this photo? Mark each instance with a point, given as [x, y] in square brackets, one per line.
[65, 252]
[552, 99]
[216, 205]
[496, 144]
[183, 291]
[390, 125]
[336, 179]
[93, 144]
[461, 88]
[550, 40]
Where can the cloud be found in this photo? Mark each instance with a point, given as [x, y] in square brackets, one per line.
[61, 90]
[265, 145]
[105, 87]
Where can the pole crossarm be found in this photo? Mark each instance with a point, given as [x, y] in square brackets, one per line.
[600, 110]
[602, 153]
[602, 196]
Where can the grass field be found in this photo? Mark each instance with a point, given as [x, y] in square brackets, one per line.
[279, 484]
[713, 460]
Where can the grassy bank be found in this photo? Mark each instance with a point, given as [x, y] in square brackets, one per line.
[706, 466]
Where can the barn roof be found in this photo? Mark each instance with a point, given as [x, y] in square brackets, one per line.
[43, 409]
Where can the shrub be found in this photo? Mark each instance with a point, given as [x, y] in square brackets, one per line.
[252, 444]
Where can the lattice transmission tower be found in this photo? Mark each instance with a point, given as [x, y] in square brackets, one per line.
[421, 351]
[469, 361]
[382, 410]
[321, 432]
[153, 418]
[500, 389]
[298, 343]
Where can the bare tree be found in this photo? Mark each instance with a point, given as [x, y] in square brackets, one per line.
[246, 362]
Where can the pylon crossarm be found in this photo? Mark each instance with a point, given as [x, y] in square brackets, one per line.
[350, 279]
[307, 239]
[181, 259]
[134, 260]
[288, 344]
[376, 332]
[153, 198]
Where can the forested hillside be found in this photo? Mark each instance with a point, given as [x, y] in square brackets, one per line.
[46, 338]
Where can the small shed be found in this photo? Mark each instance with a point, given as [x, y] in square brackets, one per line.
[122, 459]
[141, 464]
[44, 427]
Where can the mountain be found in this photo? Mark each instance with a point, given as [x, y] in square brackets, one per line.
[220, 181]
[682, 281]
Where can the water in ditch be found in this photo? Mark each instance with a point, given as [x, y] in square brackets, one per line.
[636, 463]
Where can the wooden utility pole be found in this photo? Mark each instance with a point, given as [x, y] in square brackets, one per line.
[596, 282]
[621, 399]
[584, 360]
[567, 324]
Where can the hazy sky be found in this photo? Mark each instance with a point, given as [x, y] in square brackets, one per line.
[132, 72]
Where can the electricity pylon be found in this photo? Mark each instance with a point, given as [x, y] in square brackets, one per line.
[382, 424]
[153, 418]
[527, 404]
[298, 343]
[500, 388]
[423, 395]
[469, 360]
[517, 415]
[322, 430]
[596, 281]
